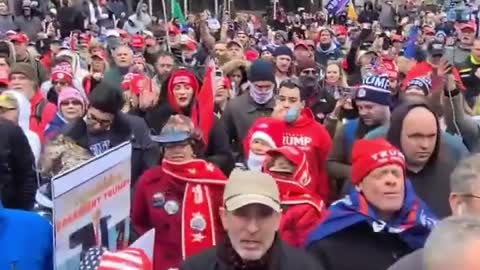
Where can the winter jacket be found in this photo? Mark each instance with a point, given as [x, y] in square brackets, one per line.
[147, 213]
[412, 261]
[114, 77]
[339, 161]
[282, 257]
[239, 115]
[70, 19]
[56, 125]
[387, 15]
[18, 178]
[27, 240]
[358, 247]
[315, 141]
[218, 150]
[7, 23]
[30, 26]
[322, 56]
[52, 95]
[468, 127]
[124, 128]
[24, 123]
[368, 14]
[42, 113]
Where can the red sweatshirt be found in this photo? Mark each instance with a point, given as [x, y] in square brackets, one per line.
[314, 140]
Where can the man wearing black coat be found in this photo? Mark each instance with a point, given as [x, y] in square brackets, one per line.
[105, 127]
[17, 168]
[251, 217]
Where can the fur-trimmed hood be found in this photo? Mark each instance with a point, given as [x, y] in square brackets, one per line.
[232, 65]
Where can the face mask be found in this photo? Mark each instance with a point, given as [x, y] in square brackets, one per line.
[292, 115]
[255, 162]
[260, 97]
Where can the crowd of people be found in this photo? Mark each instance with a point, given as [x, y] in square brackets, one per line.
[331, 140]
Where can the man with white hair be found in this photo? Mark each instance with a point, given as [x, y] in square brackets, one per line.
[123, 58]
[464, 200]
[453, 244]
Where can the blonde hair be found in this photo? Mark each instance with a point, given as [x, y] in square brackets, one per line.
[343, 74]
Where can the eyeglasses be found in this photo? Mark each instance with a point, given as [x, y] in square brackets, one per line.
[102, 122]
[71, 102]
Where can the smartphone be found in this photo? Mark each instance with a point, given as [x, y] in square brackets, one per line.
[218, 73]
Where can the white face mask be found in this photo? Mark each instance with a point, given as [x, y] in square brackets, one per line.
[255, 162]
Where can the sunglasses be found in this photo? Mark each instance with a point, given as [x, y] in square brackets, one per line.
[71, 102]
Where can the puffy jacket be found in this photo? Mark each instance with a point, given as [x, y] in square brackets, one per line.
[26, 241]
[42, 113]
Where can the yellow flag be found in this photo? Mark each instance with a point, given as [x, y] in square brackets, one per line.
[351, 13]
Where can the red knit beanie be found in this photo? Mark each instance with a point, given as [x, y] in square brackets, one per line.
[368, 155]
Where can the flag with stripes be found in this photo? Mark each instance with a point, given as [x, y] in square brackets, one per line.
[127, 259]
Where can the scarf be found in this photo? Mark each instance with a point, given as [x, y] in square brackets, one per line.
[412, 223]
[293, 193]
[260, 97]
[198, 224]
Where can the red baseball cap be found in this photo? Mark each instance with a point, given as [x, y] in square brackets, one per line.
[190, 45]
[137, 41]
[302, 44]
[468, 25]
[19, 37]
[172, 29]
[100, 54]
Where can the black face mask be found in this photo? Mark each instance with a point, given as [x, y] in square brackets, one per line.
[325, 46]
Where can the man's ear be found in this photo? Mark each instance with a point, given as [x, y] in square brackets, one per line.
[457, 205]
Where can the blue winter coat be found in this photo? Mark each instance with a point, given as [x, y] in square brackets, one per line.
[26, 241]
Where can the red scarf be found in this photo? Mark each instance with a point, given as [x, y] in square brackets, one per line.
[197, 209]
[292, 193]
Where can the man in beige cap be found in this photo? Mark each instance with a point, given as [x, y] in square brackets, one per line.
[251, 216]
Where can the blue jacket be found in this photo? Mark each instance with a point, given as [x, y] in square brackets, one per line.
[26, 241]
[55, 126]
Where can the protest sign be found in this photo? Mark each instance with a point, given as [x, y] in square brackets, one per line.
[91, 206]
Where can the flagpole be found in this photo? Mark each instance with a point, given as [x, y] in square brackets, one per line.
[167, 24]
[185, 7]
[274, 9]
[216, 8]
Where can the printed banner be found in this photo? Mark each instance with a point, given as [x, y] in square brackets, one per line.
[91, 207]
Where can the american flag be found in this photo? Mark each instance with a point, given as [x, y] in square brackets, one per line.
[127, 259]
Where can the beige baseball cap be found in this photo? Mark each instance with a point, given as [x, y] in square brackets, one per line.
[249, 187]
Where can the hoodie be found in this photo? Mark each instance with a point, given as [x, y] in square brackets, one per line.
[27, 240]
[24, 122]
[312, 137]
[322, 56]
